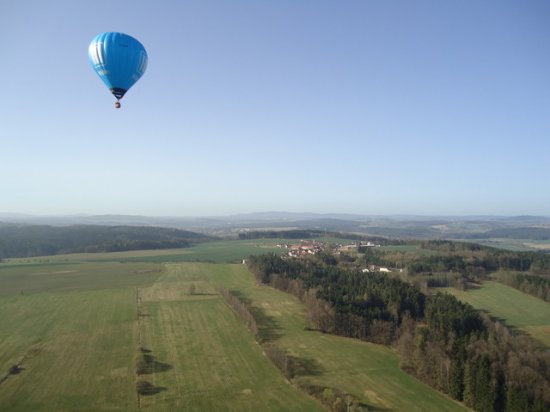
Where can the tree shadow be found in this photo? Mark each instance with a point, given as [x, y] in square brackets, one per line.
[495, 318]
[268, 327]
[370, 407]
[320, 393]
[147, 364]
[16, 370]
[238, 294]
[145, 388]
[304, 366]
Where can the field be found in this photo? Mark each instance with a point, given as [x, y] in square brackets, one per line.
[233, 251]
[513, 244]
[211, 360]
[77, 325]
[77, 346]
[518, 309]
[73, 350]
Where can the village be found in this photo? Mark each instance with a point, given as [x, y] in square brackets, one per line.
[313, 247]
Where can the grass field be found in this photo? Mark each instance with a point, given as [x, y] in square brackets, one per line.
[25, 279]
[71, 320]
[74, 348]
[76, 342]
[71, 326]
[519, 310]
[212, 361]
[226, 251]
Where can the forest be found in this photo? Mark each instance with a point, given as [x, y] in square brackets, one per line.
[444, 263]
[442, 341]
[18, 240]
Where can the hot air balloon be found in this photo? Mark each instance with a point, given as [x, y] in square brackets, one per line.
[119, 60]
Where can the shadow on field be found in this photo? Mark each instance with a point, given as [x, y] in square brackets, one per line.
[16, 370]
[238, 294]
[332, 396]
[371, 407]
[500, 320]
[147, 364]
[304, 366]
[473, 286]
[268, 327]
[145, 388]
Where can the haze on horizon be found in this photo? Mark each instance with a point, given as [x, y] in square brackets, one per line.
[374, 108]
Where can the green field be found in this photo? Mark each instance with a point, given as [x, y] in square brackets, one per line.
[516, 308]
[71, 323]
[232, 251]
[26, 279]
[74, 347]
[213, 362]
[77, 339]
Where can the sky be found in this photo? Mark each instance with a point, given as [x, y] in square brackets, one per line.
[370, 107]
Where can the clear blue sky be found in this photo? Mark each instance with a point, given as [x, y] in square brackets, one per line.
[375, 107]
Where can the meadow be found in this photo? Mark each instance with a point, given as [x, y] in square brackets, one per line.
[76, 340]
[77, 326]
[519, 310]
[224, 251]
[212, 361]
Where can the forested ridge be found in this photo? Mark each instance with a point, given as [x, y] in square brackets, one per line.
[529, 232]
[442, 341]
[38, 240]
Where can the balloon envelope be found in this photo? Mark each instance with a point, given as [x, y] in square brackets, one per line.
[118, 59]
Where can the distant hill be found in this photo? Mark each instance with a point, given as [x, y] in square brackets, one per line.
[390, 226]
[532, 233]
[17, 240]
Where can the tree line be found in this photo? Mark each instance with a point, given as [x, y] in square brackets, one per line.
[240, 309]
[38, 240]
[442, 341]
[537, 286]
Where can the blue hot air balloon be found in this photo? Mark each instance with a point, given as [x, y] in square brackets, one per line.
[119, 60]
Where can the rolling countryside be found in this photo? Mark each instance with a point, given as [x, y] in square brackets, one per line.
[78, 327]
